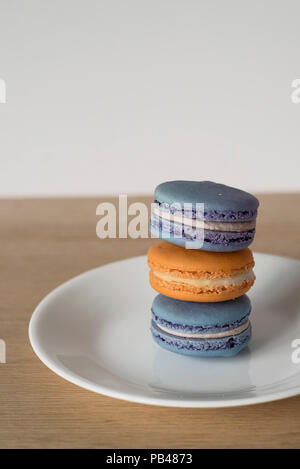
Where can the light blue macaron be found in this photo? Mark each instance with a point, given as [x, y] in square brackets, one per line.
[201, 329]
[204, 215]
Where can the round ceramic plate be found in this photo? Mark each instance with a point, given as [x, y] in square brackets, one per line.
[94, 331]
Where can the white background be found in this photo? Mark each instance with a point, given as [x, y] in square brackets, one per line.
[109, 96]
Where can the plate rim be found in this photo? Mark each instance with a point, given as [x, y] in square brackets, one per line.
[134, 396]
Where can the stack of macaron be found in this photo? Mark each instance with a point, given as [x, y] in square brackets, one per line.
[202, 268]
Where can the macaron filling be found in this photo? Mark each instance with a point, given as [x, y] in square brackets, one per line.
[208, 283]
[190, 345]
[214, 335]
[180, 218]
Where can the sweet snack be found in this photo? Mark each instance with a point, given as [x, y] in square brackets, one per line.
[201, 329]
[210, 216]
[200, 276]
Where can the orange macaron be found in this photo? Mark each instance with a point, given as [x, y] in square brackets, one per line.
[204, 276]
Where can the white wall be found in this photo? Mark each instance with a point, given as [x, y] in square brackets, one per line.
[109, 96]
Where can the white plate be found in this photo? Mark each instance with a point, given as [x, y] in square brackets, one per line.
[94, 331]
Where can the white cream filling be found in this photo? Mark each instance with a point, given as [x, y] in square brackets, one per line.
[207, 225]
[209, 282]
[215, 335]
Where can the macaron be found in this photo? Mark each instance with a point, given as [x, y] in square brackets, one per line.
[204, 215]
[201, 329]
[204, 276]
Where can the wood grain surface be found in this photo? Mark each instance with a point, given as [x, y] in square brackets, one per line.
[45, 242]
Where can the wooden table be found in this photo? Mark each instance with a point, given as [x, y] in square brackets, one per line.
[45, 242]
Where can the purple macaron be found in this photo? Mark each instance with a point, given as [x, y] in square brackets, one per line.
[218, 329]
[204, 215]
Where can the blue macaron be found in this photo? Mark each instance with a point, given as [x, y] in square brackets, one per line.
[201, 329]
[204, 215]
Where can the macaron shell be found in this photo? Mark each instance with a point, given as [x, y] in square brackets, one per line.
[213, 195]
[167, 256]
[206, 315]
[179, 292]
[198, 353]
[226, 347]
